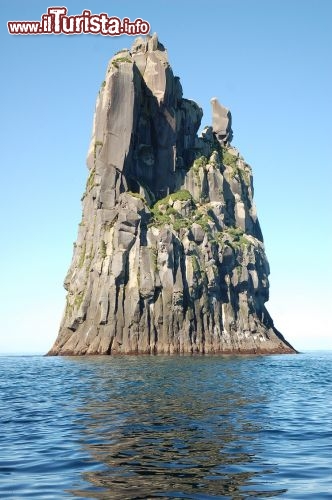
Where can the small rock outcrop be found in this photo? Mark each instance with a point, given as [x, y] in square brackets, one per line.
[221, 122]
[169, 256]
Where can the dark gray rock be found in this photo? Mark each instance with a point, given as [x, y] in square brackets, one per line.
[221, 122]
[169, 256]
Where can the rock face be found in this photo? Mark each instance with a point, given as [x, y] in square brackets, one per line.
[169, 256]
[221, 122]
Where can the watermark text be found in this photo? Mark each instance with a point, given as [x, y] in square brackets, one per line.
[57, 22]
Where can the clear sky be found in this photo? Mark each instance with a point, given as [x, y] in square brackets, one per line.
[269, 61]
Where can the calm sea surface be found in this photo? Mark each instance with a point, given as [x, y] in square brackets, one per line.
[166, 427]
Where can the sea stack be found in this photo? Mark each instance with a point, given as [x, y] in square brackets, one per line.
[169, 256]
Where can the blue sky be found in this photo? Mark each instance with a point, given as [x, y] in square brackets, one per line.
[268, 61]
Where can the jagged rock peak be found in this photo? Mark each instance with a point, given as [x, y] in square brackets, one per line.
[169, 256]
[143, 127]
[221, 122]
[150, 44]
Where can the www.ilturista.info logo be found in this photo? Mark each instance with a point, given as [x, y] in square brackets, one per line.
[56, 22]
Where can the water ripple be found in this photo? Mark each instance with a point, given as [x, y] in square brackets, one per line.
[166, 427]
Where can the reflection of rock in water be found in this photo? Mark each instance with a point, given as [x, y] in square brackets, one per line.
[180, 437]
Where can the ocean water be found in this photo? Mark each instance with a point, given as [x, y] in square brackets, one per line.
[166, 427]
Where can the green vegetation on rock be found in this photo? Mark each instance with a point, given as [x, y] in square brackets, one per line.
[97, 143]
[78, 300]
[201, 161]
[242, 174]
[82, 256]
[203, 220]
[103, 249]
[154, 254]
[236, 232]
[69, 307]
[181, 195]
[91, 179]
[238, 238]
[164, 213]
[239, 271]
[137, 195]
[118, 60]
[196, 264]
[237, 165]
[229, 159]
